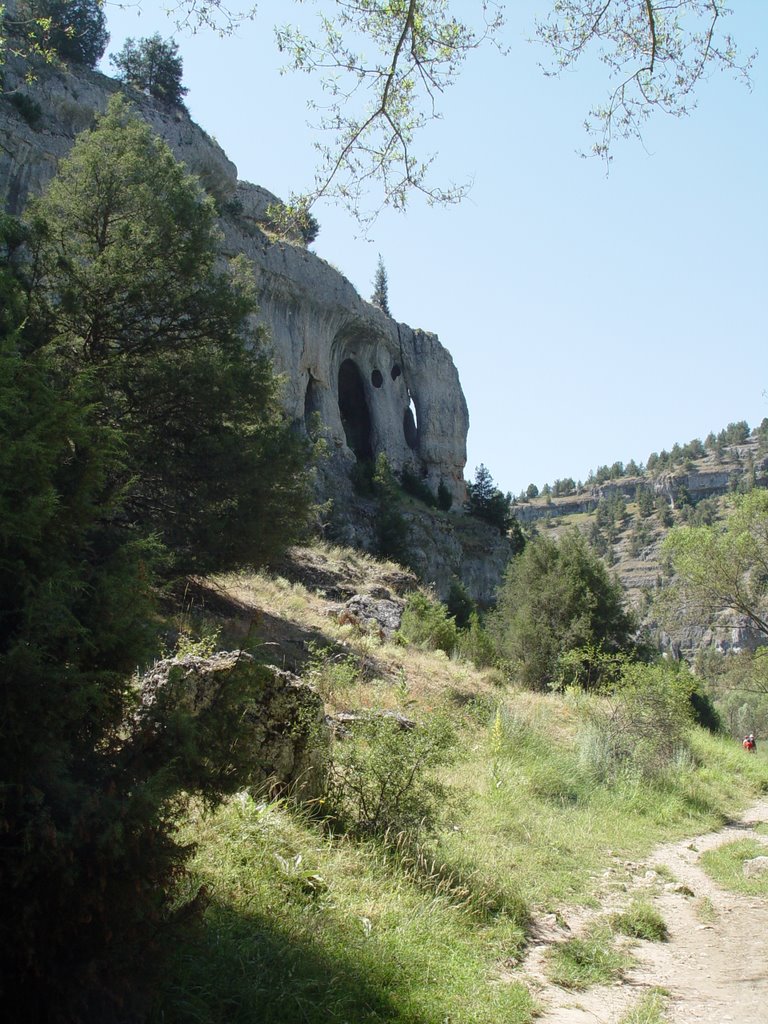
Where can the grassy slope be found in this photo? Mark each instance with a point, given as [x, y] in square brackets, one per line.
[305, 927]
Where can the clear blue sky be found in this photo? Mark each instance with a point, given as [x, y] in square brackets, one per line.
[591, 318]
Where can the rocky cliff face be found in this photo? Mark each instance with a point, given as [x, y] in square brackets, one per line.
[377, 385]
[373, 384]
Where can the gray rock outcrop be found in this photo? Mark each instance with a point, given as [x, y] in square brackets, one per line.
[374, 385]
[382, 615]
[282, 735]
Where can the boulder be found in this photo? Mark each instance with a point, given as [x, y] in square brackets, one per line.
[380, 615]
[754, 867]
[281, 738]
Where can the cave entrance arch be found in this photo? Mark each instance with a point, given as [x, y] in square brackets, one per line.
[355, 415]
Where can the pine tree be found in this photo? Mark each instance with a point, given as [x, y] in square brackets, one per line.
[487, 502]
[154, 65]
[380, 295]
[130, 294]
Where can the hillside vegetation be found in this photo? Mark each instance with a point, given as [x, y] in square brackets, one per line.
[626, 515]
[320, 914]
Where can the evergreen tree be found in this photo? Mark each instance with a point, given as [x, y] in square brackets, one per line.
[128, 291]
[380, 295]
[392, 532]
[75, 29]
[74, 594]
[444, 497]
[132, 408]
[557, 597]
[487, 502]
[153, 65]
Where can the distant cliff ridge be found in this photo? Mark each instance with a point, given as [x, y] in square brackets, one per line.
[376, 385]
[709, 477]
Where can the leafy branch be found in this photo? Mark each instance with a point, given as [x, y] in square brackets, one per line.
[658, 51]
[383, 66]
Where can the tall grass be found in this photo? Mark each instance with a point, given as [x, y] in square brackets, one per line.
[303, 927]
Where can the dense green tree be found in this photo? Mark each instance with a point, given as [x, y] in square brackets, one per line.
[562, 488]
[459, 604]
[128, 291]
[153, 65]
[645, 501]
[380, 295]
[74, 29]
[444, 497]
[127, 422]
[557, 596]
[737, 433]
[73, 603]
[532, 491]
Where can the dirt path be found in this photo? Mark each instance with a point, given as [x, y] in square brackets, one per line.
[715, 965]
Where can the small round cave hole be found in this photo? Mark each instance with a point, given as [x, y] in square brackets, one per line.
[395, 371]
[377, 379]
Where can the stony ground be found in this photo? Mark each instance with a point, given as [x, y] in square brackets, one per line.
[714, 966]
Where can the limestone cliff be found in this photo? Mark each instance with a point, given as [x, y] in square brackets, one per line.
[373, 384]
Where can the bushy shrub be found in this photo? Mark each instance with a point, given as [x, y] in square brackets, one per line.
[475, 643]
[416, 487]
[427, 623]
[27, 108]
[641, 730]
[383, 777]
[460, 604]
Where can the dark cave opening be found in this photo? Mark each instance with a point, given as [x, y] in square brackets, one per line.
[355, 415]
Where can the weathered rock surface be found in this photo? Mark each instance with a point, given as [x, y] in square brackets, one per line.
[375, 384]
[380, 614]
[282, 731]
